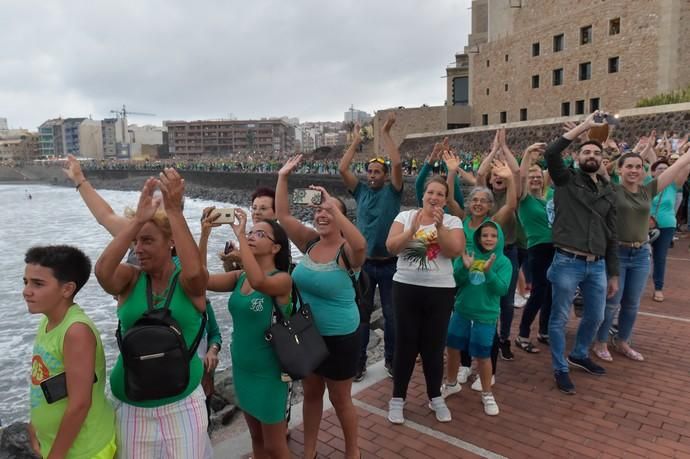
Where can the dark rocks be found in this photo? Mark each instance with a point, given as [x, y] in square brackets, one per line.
[15, 442]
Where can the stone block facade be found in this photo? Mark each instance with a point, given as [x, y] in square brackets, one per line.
[408, 121]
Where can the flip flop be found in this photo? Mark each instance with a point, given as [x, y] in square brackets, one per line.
[604, 355]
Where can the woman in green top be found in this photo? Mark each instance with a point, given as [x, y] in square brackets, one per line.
[261, 394]
[536, 214]
[633, 206]
[178, 423]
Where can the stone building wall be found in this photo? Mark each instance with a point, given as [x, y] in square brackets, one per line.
[408, 121]
[539, 21]
[633, 124]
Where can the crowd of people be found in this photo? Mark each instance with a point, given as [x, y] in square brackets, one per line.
[560, 220]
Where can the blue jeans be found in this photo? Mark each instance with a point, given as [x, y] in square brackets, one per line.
[659, 251]
[634, 270]
[508, 301]
[565, 275]
[381, 274]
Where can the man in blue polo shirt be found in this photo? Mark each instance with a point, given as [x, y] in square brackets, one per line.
[378, 203]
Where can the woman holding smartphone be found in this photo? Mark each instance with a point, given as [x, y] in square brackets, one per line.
[324, 283]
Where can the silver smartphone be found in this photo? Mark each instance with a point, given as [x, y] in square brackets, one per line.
[306, 196]
[226, 215]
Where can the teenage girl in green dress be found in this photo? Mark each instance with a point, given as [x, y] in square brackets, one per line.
[262, 396]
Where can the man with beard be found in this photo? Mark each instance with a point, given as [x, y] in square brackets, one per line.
[584, 234]
[378, 203]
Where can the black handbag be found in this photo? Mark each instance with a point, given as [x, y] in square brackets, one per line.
[296, 341]
[362, 286]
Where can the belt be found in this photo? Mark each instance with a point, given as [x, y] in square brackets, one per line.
[382, 261]
[632, 245]
[577, 256]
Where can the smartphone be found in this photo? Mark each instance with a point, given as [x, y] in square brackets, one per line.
[306, 196]
[611, 120]
[226, 215]
[55, 388]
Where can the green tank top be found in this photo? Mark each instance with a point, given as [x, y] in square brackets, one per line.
[251, 315]
[47, 361]
[183, 311]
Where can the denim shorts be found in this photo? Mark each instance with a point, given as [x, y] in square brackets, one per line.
[470, 335]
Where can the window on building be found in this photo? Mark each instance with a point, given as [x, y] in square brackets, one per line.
[585, 71]
[579, 107]
[615, 26]
[485, 119]
[535, 81]
[505, 87]
[565, 109]
[460, 91]
[523, 114]
[504, 117]
[585, 35]
[558, 77]
[488, 62]
[593, 104]
[487, 91]
[613, 64]
[535, 49]
[558, 42]
[506, 58]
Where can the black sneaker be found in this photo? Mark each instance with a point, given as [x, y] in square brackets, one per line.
[360, 374]
[564, 383]
[389, 369]
[504, 350]
[587, 365]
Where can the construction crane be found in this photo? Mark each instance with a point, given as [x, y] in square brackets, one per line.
[122, 115]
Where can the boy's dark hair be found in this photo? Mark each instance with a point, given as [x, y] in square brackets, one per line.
[68, 264]
[658, 163]
[265, 192]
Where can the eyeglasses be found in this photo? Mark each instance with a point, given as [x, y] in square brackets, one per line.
[480, 201]
[260, 234]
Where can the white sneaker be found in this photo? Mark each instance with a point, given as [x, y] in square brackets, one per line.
[490, 405]
[395, 410]
[463, 374]
[477, 384]
[450, 389]
[438, 406]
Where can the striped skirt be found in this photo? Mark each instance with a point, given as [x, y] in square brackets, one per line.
[176, 430]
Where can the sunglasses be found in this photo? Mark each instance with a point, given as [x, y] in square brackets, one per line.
[377, 160]
[260, 234]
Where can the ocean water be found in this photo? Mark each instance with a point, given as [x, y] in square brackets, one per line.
[57, 215]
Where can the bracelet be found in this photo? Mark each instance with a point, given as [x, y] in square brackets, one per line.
[80, 184]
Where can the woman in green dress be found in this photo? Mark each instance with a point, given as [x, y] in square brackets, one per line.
[260, 392]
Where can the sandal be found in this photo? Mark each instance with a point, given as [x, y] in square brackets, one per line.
[603, 354]
[526, 346]
[544, 339]
[629, 352]
[658, 296]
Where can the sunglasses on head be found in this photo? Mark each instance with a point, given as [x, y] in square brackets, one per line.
[377, 160]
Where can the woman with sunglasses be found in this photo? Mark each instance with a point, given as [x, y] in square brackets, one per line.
[260, 392]
[324, 283]
[536, 215]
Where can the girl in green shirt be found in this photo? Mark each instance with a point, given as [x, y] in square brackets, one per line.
[260, 392]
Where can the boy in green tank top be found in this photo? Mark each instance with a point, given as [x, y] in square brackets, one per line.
[70, 415]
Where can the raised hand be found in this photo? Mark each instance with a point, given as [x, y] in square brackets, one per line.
[452, 160]
[534, 151]
[73, 170]
[356, 136]
[390, 121]
[290, 165]
[489, 262]
[172, 186]
[501, 169]
[590, 121]
[239, 226]
[328, 202]
[208, 218]
[467, 260]
[148, 205]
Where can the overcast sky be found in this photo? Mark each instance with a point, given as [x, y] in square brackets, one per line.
[209, 59]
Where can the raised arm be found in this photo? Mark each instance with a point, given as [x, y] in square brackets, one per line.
[503, 214]
[98, 207]
[424, 172]
[560, 174]
[346, 161]
[194, 276]
[278, 285]
[297, 232]
[529, 157]
[207, 219]
[452, 164]
[674, 172]
[393, 153]
[485, 166]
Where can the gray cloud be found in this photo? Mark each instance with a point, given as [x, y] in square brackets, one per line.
[195, 60]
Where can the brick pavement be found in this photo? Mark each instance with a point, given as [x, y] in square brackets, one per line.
[639, 409]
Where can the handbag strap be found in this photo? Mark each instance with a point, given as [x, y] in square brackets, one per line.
[350, 272]
[168, 299]
[658, 203]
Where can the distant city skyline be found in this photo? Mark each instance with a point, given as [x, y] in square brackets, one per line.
[245, 60]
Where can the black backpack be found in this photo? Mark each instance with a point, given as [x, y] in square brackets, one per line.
[154, 353]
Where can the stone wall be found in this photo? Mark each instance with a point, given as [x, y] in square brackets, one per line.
[633, 124]
[408, 121]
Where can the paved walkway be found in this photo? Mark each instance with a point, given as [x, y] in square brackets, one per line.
[636, 410]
